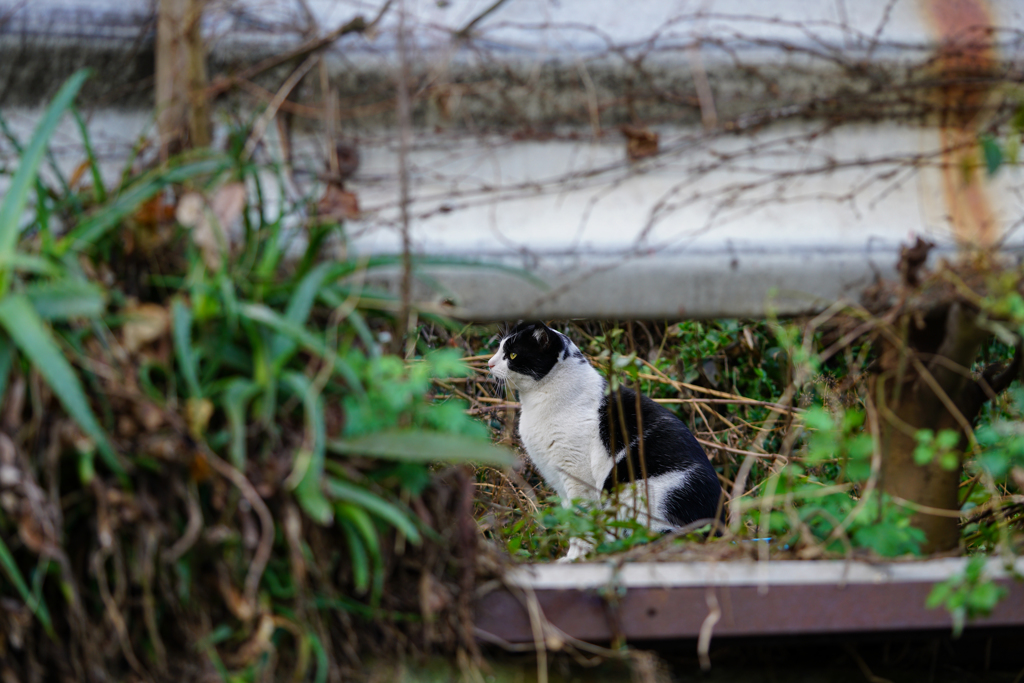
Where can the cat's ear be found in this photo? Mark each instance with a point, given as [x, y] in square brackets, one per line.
[542, 334]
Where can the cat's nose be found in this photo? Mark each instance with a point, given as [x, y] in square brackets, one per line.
[491, 363]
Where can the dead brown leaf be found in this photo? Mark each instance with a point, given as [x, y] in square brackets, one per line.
[338, 203]
[33, 534]
[641, 142]
[78, 173]
[256, 645]
[126, 426]
[228, 203]
[434, 595]
[149, 415]
[162, 446]
[154, 212]
[211, 223]
[200, 468]
[234, 599]
[146, 323]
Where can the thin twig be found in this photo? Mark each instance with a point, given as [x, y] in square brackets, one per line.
[463, 32]
[404, 142]
[355, 25]
[260, 127]
[248, 491]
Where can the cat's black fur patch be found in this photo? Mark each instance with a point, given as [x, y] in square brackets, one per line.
[536, 348]
[668, 447]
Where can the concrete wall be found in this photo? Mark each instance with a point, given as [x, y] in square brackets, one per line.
[799, 143]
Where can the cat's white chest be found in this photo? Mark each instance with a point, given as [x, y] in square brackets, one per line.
[559, 429]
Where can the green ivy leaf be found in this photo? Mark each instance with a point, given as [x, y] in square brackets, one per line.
[992, 153]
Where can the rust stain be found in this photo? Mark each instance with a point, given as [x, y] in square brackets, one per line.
[966, 61]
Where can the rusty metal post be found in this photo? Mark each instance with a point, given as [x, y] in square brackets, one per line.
[183, 118]
[966, 63]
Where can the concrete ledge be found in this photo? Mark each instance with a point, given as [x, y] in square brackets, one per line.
[652, 601]
[576, 63]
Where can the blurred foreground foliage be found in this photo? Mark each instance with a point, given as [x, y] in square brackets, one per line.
[210, 465]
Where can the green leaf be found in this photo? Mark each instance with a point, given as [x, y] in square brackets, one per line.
[36, 343]
[949, 461]
[974, 569]
[308, 340]
[65, 299]
[818, 418]
[984, 598]
[322, 663]
[351, 493]
[413, 477]
[181, 330]
[309, 489]
[312, 501]
[236, 398]
[99, 191]
[14, 201]
[419, 446]
[996, 462]
[28, 263]
[6, 360]
[37, 606]
[939, 594]
[447, 363]
[947, 439]
[923, 454]
[300, 305]
[620, 361]
[368, 535]
[358, 555]
[992, 152]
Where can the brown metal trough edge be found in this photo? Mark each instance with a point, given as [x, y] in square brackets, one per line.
[771, 606]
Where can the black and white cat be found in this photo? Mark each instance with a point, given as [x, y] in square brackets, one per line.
[571, 427]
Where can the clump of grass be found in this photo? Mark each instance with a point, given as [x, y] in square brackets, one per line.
[211, 465]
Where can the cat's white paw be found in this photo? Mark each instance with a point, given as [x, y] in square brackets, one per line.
[577, 548]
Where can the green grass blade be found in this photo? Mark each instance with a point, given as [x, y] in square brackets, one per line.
[358, 555]
[299, 307]
[13, 205]
[98, 190]
[421, 446]
[65, 299]
[6, 361]
[322, 663]
[236, 398]
[309, 490]
[38, 607]
[351, 493]
[181, 330]
[36, 342]
[368, 535]
[91, 229]
[306, 339]
[229, 298]
[27, 263]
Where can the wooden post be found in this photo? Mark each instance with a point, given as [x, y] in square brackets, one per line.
[183, 119]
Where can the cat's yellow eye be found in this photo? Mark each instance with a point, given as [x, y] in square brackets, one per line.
[511, 356]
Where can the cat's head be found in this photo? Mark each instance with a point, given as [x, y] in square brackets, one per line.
[527, 353]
